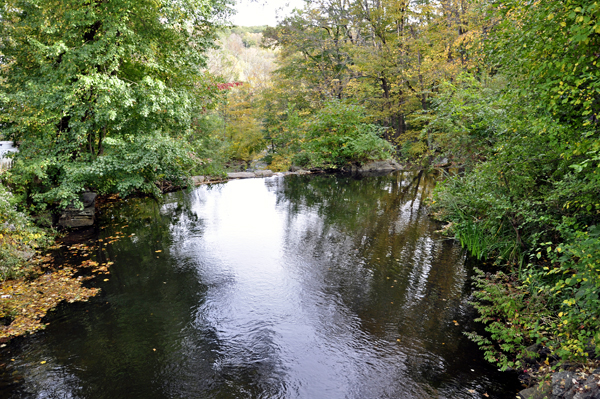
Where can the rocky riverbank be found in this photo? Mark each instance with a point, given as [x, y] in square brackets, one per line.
[566, 385]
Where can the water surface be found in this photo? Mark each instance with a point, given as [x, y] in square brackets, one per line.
[297, 287]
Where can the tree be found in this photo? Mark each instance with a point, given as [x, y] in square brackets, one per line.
[90, 87]
[388, 55]
[314, 45]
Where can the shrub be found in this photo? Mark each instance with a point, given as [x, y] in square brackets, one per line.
[337, 135]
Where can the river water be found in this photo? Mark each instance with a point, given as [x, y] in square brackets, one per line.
[297, 287]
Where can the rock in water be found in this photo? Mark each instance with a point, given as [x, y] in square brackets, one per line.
[198, 180]
[264, 173]
[381, 166]
[241, 175]
[374, 168]
[73, 217]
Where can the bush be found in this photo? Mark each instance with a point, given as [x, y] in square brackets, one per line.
[336, 136]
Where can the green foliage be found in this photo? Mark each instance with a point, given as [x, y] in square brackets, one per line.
[129, 164]
[554, 303]
[285, 131]
[386, 56]
[524, 199]
[515, 318]
[533, 203]
[83, 82]
[207, 140]
[19, 238]
[573, 279]
[466, 119]
[549, 49]
[243, 128]
[336, 136]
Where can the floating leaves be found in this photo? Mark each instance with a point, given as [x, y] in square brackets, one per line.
[28, 301]
[24, 302]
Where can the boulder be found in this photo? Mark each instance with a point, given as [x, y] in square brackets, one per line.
[77, 217]
[198, 180]
[536, 392]
[562, 384]
[590, 389]
[73, 217]
[264, 173]
[241, 175]
[566, 385]
[532, 393]
[89, 199]
[382, 166]
[374, 168]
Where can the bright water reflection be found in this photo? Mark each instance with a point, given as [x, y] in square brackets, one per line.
[296, 287]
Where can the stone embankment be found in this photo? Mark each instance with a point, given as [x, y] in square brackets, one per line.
[376, 167]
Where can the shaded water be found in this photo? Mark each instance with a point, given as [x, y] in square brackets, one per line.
[296, 287]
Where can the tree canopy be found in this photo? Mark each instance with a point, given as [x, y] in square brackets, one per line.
[97, 92]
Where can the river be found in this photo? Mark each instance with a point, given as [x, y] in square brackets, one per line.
[297, 287]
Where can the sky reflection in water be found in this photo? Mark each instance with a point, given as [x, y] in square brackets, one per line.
[296, 287]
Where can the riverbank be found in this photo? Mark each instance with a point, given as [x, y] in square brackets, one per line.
[529, 327]
[34, 281]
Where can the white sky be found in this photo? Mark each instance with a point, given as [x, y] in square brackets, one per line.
[263, 12]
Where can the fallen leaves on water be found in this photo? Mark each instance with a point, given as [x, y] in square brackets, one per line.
[25, 301]
[28, 301]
